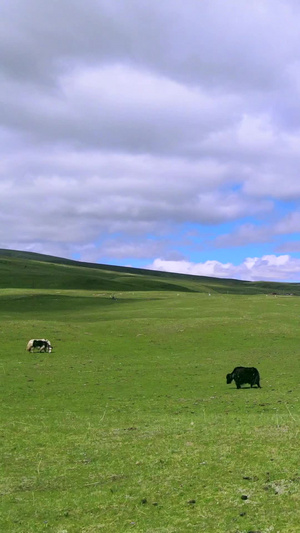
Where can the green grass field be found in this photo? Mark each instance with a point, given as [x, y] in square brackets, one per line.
[128, 425]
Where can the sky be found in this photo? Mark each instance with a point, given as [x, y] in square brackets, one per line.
[158, 134]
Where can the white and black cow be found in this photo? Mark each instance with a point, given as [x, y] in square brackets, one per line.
[242, 375]
[42, 345]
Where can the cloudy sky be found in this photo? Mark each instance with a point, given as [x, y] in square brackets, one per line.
[161, 134]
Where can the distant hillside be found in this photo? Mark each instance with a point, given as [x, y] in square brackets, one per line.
[31, 270]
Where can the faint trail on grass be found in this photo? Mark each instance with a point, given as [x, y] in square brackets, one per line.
[288, 410]
[103, 416]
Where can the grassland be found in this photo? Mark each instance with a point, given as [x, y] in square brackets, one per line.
[129, 424]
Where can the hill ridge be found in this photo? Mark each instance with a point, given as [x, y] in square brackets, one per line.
[24, 269]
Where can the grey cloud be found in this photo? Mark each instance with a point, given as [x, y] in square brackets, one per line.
[117, 108]
[288, 247]
[123, 249]
[114, 193]
[244, 235]
[171, 38]
[289, 224]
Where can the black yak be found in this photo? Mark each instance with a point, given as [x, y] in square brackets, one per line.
[242, 375]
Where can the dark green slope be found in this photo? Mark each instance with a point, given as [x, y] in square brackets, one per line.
[31, 270]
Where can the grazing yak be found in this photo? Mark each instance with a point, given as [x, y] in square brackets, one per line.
[242, 375]
[43, 345]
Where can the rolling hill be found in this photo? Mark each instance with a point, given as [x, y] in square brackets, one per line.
[30, 270]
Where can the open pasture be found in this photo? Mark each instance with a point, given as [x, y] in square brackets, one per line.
[129, 424]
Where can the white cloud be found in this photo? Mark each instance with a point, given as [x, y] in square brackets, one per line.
[255, 133]
[268, 267]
